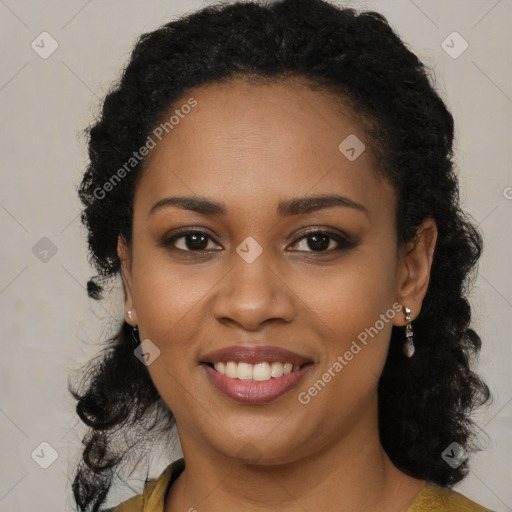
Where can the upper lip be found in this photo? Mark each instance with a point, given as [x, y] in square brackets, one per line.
[254, 354]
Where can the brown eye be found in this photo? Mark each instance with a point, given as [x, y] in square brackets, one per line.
[189, 241]
[313, 241]
[324, 241]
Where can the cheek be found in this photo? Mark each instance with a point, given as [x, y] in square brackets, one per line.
[346, 299]
[166, 294]
[354, 312]
[172, 314]
[170, 305]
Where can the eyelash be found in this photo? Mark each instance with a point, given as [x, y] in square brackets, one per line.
[344, 242]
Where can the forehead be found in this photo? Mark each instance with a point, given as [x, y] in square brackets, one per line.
[250, 143]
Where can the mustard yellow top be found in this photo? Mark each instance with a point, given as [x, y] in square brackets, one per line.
[432, 498]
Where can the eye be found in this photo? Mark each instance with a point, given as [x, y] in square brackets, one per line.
[321, 241]
[316, 240]
[189, 241]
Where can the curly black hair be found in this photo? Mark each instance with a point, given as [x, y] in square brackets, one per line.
[425, 403]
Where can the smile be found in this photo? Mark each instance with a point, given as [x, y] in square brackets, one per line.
[259, 372]
[255, 374]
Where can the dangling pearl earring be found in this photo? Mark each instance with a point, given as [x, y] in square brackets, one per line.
[134, 331]
[409, 343]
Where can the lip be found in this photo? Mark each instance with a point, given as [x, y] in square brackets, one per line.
[254, 354]
[255, 392]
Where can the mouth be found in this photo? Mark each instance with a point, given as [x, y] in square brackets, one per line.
[260, 372]
[255, 374]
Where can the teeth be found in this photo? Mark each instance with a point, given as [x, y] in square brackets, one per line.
[259, 372]
[244, 371]
[231, 369]
[276, 370]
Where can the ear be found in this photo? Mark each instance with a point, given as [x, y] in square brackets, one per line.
[124, 253]
[414, 267]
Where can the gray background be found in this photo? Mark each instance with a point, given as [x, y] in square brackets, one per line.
[48, 325]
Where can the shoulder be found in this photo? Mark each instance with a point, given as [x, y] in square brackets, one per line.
[434, 498]
[153, 496]
[133, 504]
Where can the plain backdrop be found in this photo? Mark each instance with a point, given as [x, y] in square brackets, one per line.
[48, 325]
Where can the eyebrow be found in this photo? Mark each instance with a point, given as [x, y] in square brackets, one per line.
[295, 206]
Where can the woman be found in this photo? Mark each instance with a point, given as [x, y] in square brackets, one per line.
[274, 184]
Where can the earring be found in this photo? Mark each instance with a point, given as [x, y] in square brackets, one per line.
[134, 331]
[409, 338]
[135, 336]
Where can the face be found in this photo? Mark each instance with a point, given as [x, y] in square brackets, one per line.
[321, 278]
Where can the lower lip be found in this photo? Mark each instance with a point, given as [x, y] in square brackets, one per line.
[255, 392]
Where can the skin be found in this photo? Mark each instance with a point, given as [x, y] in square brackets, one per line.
[280, 455]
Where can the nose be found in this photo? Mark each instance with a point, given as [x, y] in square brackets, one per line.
[252, 294]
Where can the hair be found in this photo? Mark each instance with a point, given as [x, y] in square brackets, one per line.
[426, 402]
